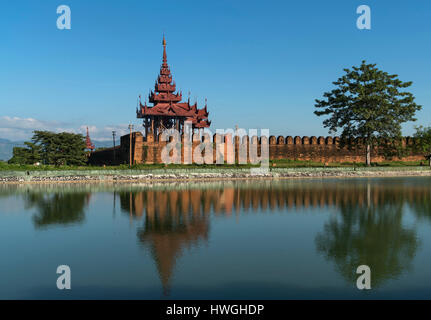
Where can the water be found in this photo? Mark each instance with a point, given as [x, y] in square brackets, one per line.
[286, 239]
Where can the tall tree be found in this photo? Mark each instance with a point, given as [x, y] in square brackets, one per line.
[370, 104]
[61, 148]
[52, 148]
[423, 142]
[26, 155]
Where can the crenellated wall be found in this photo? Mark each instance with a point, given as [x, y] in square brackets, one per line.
[316, 149]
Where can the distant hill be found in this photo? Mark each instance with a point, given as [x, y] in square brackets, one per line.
[6, 147]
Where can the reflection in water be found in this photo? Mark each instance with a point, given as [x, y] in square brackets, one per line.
[368, 230]
[422, 206]
[368, 225]
[372, 236]
[57, 208]
[167, 237]
[174, 220]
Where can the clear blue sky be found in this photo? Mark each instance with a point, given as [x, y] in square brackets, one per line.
[261, 64]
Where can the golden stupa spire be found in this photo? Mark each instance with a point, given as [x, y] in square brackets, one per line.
[165, 59]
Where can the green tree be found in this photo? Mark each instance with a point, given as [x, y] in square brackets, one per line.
[20, 156]
[26, 155]
[370, 104]
[52, 148]
[61, 148]
[423, 142]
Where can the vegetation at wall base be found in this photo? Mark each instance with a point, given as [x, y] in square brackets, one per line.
[286, 163]
[283, 163]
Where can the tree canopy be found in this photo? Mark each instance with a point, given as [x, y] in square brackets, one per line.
[26, 155]
[52, 148]
[370, 104]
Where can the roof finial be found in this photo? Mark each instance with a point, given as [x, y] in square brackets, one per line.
[165, 59]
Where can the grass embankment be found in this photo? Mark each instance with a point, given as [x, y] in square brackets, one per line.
[273, 163]
[285, 163]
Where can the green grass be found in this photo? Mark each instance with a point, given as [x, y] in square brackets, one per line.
[16, 167]
[282, 163]
[286, 163]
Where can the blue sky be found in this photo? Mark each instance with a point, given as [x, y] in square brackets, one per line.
[260, 64]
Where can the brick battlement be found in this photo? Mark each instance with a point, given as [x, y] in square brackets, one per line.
[317, 149]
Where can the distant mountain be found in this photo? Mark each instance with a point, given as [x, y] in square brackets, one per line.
[6, 147]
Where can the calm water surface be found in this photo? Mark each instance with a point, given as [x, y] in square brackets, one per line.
[230, 240]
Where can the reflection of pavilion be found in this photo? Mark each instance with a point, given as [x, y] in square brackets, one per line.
[167, 237]
[173, 221]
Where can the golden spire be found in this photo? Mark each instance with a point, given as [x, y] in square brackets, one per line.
[165, 59]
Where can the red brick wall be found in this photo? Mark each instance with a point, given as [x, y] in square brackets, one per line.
[317, 149]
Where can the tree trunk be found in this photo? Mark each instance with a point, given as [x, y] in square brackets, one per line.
[368, 155]
[429, 160]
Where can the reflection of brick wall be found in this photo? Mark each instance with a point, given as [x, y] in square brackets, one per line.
[325, 150]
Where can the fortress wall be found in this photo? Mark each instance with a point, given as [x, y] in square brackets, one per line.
[122, 152]
[316, 149]
[104, 157]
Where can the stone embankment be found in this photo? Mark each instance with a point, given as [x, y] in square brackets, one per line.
[202, 174]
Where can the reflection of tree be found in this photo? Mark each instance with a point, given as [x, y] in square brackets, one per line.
[58, 208]
[373, 236]
[422, 208]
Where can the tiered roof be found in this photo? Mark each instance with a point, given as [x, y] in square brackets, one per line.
[88, 144]
[168, 103]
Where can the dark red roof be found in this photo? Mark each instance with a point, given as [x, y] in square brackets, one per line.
[88, 144]
[168, 103]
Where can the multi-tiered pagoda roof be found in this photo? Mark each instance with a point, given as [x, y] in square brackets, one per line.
[88, 144]
[167, 102]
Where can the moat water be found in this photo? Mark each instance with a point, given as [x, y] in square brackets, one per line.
[280, 239]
